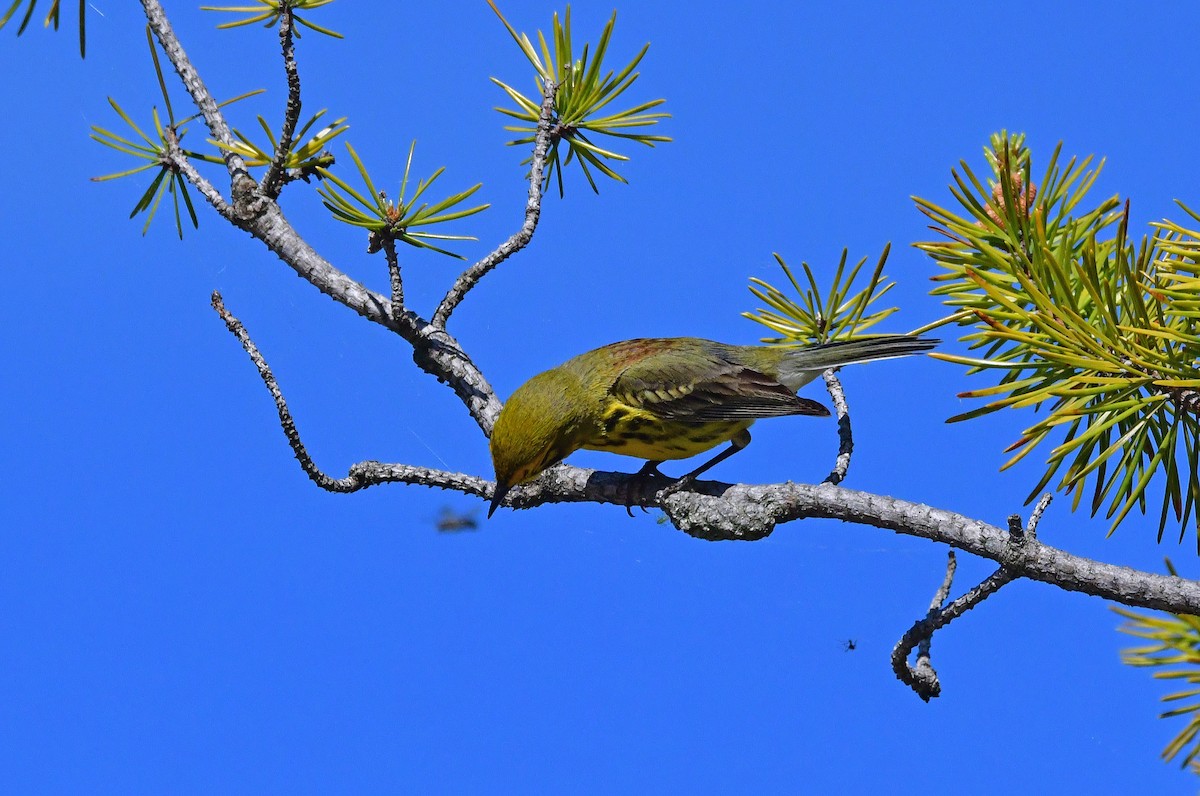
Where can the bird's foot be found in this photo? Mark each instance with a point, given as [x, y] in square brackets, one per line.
[642, 479]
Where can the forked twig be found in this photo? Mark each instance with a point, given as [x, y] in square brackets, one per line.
[363, 474]
[922, 677]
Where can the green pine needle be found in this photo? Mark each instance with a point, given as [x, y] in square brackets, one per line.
[51, 20]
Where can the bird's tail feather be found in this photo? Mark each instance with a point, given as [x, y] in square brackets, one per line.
[808, 361]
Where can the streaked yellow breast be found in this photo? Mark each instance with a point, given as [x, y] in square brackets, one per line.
[632, 431]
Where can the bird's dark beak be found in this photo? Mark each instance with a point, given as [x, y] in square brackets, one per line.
[497, 498]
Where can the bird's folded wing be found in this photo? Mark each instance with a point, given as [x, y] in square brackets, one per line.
[714, 390]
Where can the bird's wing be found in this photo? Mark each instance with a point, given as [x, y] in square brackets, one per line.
[702, 387]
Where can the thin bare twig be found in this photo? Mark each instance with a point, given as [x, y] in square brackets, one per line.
[274, 179]
[285, 416]
[1035, 516]
[923, 678]
[533, 209]
[393, 262]
[362, 474]
[845, 438]
[179, 161]
[936, 604]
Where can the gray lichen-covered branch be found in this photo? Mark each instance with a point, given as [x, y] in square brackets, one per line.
[717, 511]
[257, 212]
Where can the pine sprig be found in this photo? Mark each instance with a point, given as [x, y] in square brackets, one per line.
[269, 11]
[1096, 331]
[156, 154]
[585, 89]
[401, 220]
[157, 151]
[817, 317]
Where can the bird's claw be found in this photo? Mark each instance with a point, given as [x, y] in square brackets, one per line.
[642, 477]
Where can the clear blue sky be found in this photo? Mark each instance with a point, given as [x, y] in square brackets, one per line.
[182, 611]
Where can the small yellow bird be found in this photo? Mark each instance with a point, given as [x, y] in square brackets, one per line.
[665, 398]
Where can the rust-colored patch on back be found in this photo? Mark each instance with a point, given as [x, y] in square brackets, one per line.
[629, 351]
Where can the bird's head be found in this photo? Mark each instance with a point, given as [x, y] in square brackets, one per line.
[538, 427]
